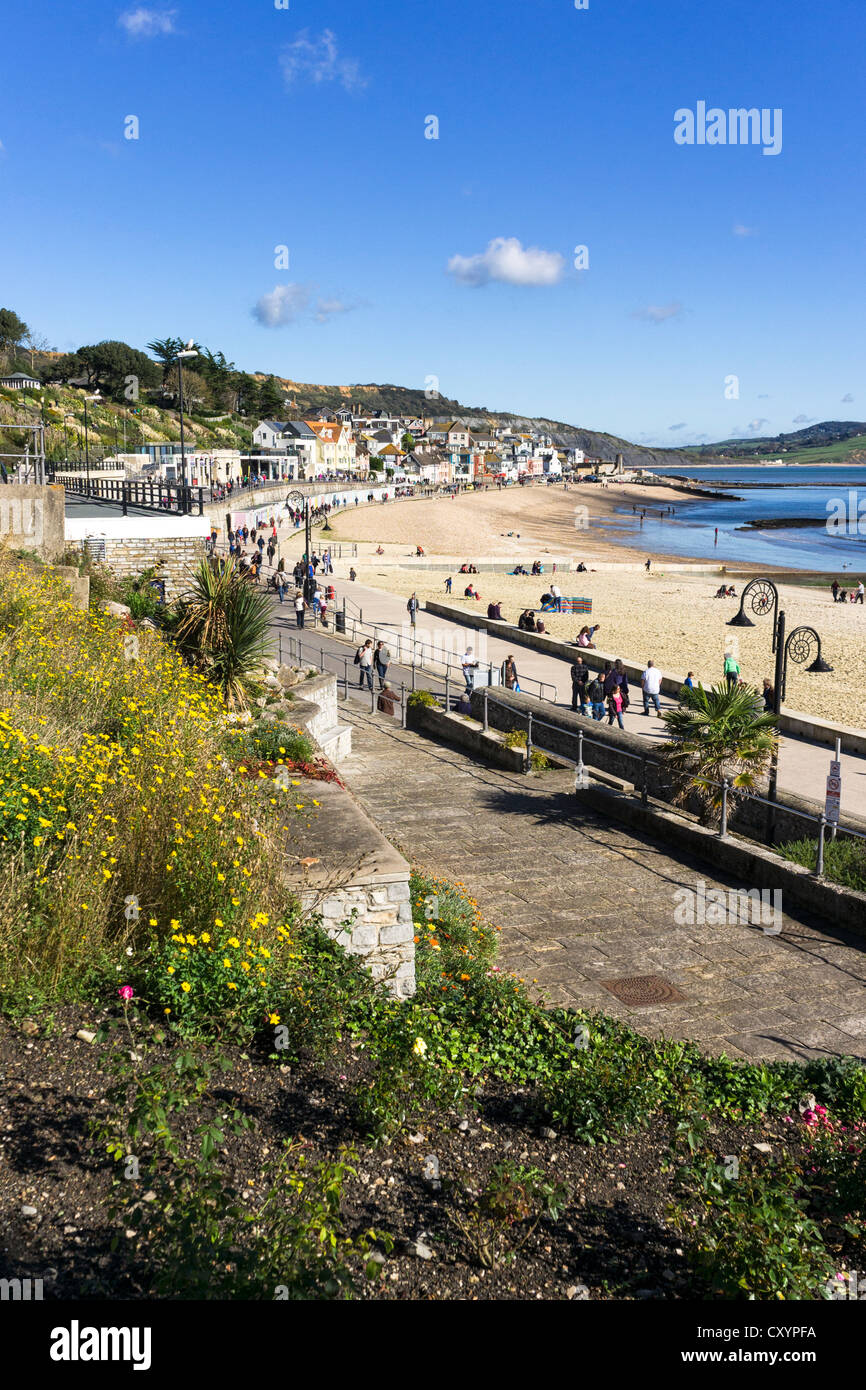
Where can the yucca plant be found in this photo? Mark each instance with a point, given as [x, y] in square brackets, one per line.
[221, 625]
[717, 734]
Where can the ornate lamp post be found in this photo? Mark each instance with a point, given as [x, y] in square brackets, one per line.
[761, 595]
[189, 351]
[295, 500]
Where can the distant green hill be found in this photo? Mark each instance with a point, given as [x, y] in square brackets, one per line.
[831, 441]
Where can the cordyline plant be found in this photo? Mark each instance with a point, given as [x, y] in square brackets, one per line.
[715, 735]
[221, 625]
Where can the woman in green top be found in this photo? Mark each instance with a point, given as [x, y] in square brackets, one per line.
[732, 669]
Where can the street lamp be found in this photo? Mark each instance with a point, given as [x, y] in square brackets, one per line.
[95, 397]
[297, 499]
[188, 351]
[762, 596]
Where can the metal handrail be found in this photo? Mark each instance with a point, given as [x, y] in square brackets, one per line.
[534, 722]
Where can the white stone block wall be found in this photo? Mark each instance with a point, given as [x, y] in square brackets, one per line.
[373, 920]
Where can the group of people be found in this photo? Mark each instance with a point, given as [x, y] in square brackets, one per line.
[594, 693]
[841, 595]
[527, 622]
[725, 591]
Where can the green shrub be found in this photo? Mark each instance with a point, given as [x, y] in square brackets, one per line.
[844, 860]
[421, 699]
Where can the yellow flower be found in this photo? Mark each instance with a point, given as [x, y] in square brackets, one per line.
[205, 936]
[231, 986]
[171, 970]
[273, 1018]
[233, 941]
[420, 1047]
[185, 987]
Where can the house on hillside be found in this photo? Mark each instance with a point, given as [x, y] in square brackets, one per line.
[20, 381]
[335, 451]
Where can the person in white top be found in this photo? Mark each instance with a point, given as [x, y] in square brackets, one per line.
[364, 658]
[299, 608]
[651, 684]
[470, 666]
[556, 595]
[858, 597]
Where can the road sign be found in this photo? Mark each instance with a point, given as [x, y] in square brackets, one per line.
[834, 792]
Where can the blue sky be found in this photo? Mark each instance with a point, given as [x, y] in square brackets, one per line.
[412, 258]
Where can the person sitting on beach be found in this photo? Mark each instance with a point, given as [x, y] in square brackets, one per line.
[585, 636]
[494, 611]
[536, 567]
[419, 550]
[379, 550]
[581, 569]
[539, 626]
[546, 603]
[464, 569]
[690, 680]
[469, 592]
[525, 623]
[721, 592]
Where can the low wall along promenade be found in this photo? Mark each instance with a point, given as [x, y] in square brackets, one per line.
[790, 721]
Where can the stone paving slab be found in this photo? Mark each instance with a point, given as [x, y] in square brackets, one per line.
[580, 899]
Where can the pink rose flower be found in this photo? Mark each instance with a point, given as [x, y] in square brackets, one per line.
[125, 992]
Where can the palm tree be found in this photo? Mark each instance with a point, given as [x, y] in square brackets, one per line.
[716, 735]
[165, 350]
[221, 625]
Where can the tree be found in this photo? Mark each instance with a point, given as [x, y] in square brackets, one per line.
[165, 350]
[65, 367]
[716, 735]
[196, 392]
[407, 443]
[13, 332]
[109, 363]
[270, 399]
[246, 391]
[221, 626]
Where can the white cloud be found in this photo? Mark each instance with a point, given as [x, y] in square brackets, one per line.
[318, 60]
[846, 399]
[282, 305]
[804, 420]
[507, 260]
[740, 230]
[680, 426]
[755, 425]
[326, 308]
[657, 313]
[145, 24]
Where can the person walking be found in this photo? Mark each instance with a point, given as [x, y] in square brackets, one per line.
[834, 590]
[510, 678]
[470, 666]
[580, 674]
[615, 706]
[769, 695]
[651, 684]
[595, 695]
[858, 597]
[412, 608]
[732, 670]
[647, 566]
[300, 605]
[364, 661]
[280, 587]
[448, 583]
[382, 660]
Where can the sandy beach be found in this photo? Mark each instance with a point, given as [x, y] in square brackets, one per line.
[668, 614]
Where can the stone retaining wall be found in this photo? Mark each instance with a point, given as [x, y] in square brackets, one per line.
[173, 558]
[344, 870]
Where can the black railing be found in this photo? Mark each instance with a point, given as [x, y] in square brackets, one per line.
[172, 498]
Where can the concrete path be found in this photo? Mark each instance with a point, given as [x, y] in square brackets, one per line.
[581, 900]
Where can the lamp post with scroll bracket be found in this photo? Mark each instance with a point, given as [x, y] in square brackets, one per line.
[760, 596]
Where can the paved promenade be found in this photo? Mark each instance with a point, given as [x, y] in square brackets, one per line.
[581, 900]
[803, 766]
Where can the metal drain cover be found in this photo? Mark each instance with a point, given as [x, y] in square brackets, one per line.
[643, 989]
